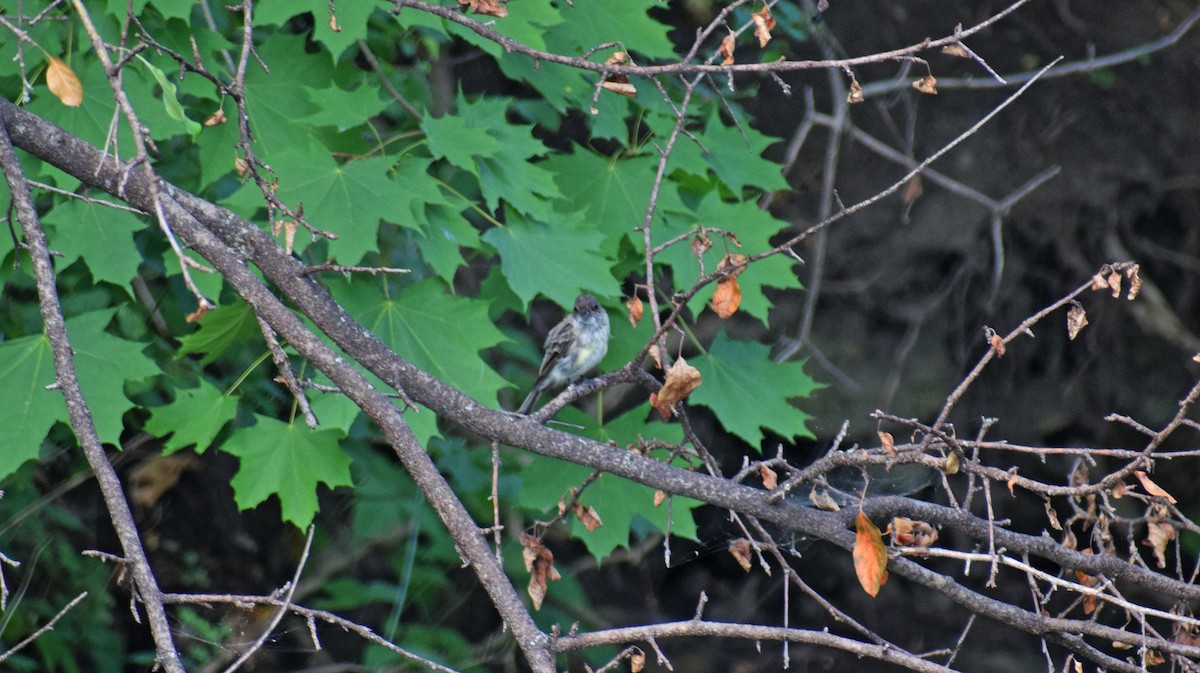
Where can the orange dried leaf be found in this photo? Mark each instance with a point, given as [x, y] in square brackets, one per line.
[913, 189]
[333, 24]
[1153, 658]
[637, 661]
[927, 85]
[769, 479]
[952, 463]
[726, 298]
[732, 264]
[619, 84]
[764, 23]
[654, 355]
[1153, 488]
[1118, 489]
[539, 561]
[909, 533]
[887, 442]
[635, 310]
[1076, 321]
[63, 83]
[197, 314]
[955, 49]
[741, 551]
[1098, 282]
[659, 497]
[1157, 536]
[1012, 482]
[489, 7]
[870, 556]
[701, 244]
[1053, 517]
[728, 45]
[1135, 282]
[856, 94]
[997, 342]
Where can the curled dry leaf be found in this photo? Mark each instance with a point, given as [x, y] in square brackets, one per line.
[769, 479]
[727, 47]
[1076, 320]
[913, 189]
[637, 661]
[955, 49]
[1098, 282]
[1118, 489]
[635, 310]
[681, 380]
[215, 119]
[740, 549]
[909, 533]
[997, 343]
[727, 297]
[870, 556]
[489, 7]
[927, 85]
[821, 499]
[887, 442]
[241, 166]
[1053, 517]
[764, 23]
[539, 561]
[654, 355]
[1012, 482]
[1153, 488]
[588, 516]
[856, 95]
[1135, 282]
[333, 24]
[63, 83]
[701, 244]
[155, 476]
[1153, 658]
[659, 497]
[732, 264]
[197, 314]
[616, 83]
[952, 463]
[1114, 282]
[1158, 534]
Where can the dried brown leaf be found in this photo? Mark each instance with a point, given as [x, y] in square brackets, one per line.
[659, 497]
[333, 24]
[64, 83]
[637, 661]
[1153, 488]
[1076, 320]
[764, 23]
[856, 95]
[887, 442]
[910, 533]
[769, 479]
[913, 189]
[489, 7]
[952, 463]
[997, 342]
[156, 475]
[619, 84]
[1114, 282]
[588, 516]
[955, 49]
[821, 499]
[727, 297]
[926, 85]
[728, 45]
[1135, 282]
[1012, 482]
[701, 244]
[1158, 535]
[1053, 517]
[1098, 282]
[1118, 489]
[681, 380]
[635, 310]
[870, 556]
[215, 119]
[732, 264]
[539, 561]
[741, 551]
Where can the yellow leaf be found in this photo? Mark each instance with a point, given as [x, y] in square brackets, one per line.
[63, 83]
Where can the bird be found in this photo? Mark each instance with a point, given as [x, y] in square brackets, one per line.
[575, 345]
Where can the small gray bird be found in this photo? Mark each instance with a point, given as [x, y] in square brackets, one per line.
[574, 346]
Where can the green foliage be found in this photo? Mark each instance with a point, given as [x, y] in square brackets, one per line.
[491, 199]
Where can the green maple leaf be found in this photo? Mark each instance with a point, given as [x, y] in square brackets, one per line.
[220, 328]
[193, 418]
[753, 228]
[437, 332]
[748, 391]
[286, 460]
[627, 22]
[348, 200]
[103, 363]
[735, 155]
[531, 253]
[102, 236]
[351, 20]
[612, 193]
